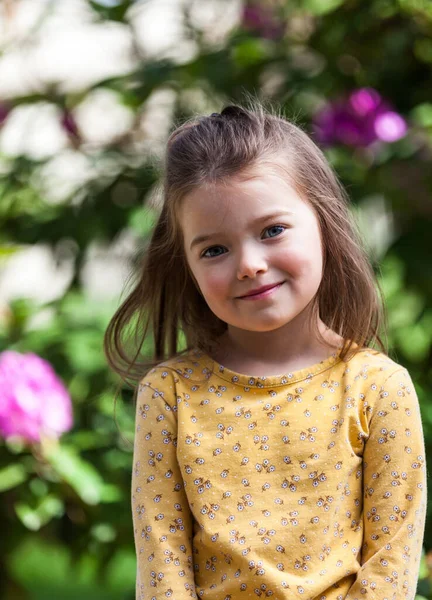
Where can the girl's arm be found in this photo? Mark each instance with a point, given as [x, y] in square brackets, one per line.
[394, 495]
[163, 523]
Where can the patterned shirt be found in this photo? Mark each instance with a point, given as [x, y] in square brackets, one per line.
[309, 485]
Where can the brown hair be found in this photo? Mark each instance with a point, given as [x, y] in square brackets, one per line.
[166, 300]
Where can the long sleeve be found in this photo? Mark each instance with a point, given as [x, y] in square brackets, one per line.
[394, 495]
[162, 521]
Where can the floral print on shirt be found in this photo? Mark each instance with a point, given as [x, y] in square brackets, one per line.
[309, 485]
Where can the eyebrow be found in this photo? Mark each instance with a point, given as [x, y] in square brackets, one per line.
[199, 239]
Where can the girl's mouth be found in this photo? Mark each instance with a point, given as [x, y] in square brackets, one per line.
[266, 291]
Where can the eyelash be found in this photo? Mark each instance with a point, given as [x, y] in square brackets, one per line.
[267, 229]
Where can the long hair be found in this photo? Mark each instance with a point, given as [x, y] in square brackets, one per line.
[165, 304]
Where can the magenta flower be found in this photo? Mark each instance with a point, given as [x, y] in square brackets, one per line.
[359, 120]
[34, 403]
[262, 20]
[390, 126]
[4, 112]
[69, 124]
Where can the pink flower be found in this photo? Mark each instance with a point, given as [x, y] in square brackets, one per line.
[69, 124]
[262, 20]
[4, 112]
[34, 403]
[361, 119]
[390, 126]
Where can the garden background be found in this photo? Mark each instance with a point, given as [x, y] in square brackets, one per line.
[89, 91]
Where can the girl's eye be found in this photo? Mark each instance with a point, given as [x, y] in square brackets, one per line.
[275, 230]
[213, 252]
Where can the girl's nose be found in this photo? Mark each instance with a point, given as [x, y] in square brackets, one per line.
[251, 264]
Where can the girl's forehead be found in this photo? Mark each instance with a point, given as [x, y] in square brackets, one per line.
[241, 195]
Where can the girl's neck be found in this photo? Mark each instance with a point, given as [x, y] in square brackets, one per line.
[287, 349]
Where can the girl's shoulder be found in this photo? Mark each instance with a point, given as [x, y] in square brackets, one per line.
[191, 364]
[369, 362]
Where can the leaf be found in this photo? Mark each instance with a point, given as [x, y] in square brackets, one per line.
[121, 571]
[84, 351]
[405, 309]
[114, 10]
[391, 280]
[47, 572]
[28, 562]
[424, 571]
[111, 493]
[35, 518]
[7, 251]
[11, 476]
[322, 7]
[142, 220]
[414, 341]
[103, 532]
[80, 474]
[250, 52]
[422, 114]
[89, 439]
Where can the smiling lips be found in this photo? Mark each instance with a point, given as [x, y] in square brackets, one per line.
[261, 292]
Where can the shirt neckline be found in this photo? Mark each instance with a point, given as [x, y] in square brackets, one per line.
[213, 367]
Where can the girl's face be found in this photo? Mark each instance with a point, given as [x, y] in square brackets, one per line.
[243, 235]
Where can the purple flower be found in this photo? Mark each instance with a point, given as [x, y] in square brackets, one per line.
[262, 20]
[390, 126]
[359, 120]
[34, 403]
[4, 111]
[69, 124]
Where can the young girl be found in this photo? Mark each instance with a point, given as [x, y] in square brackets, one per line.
[279, 455]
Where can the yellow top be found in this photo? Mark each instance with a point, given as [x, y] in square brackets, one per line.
[310, 485]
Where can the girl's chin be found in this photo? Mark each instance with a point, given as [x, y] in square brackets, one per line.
[258, 326]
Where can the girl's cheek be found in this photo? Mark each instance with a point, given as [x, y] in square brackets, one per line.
[213, 281]
[301, 258]
[291, 261]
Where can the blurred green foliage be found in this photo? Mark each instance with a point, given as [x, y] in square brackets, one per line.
[65, 512]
